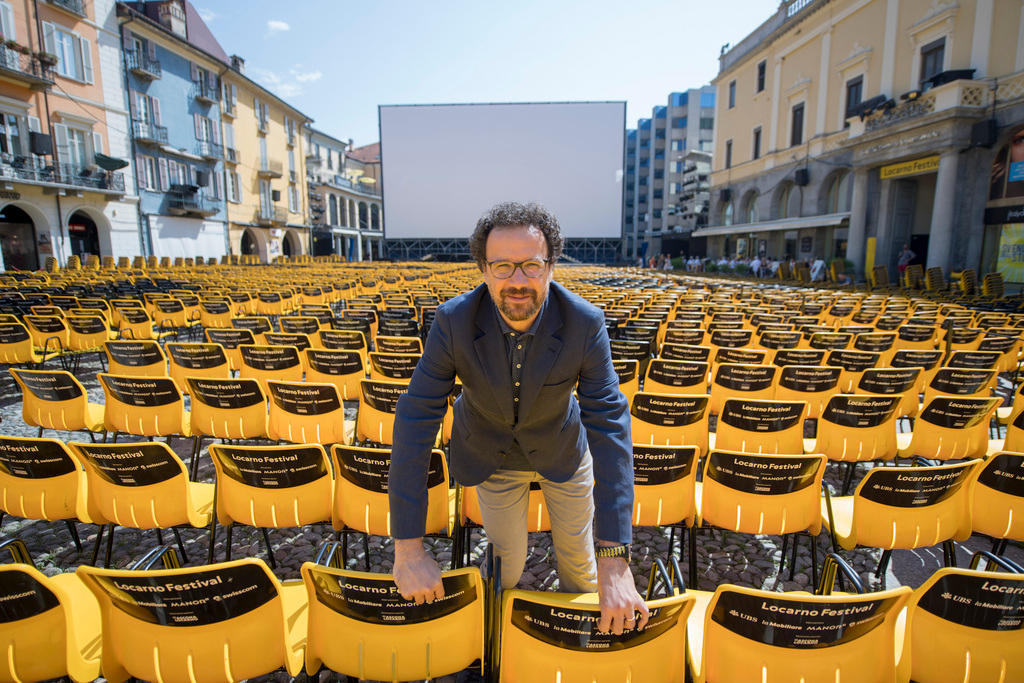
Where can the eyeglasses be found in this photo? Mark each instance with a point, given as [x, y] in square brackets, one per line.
[531, 268]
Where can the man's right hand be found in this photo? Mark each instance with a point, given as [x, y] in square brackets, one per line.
[416, 573]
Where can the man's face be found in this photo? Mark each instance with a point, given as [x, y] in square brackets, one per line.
[518, 297]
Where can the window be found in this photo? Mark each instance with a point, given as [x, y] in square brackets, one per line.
[177, 173]
[291, 159]
[727, 214]
[707, 100]
[10, 134]
[293, 198]
[234, 185]
[750, 207]
[204, 128]
[659, 154]
[659, 175]
[854, 95]
[728, 153]
[145, 108]
[330, 160]
[707, 123]
[679, 145]
[932, 57]
[796, 135]
[679, 122]
[679, 99]
[73, 52]
[757, 144]
[677, 167]
[263, 153]
[146, 170]
[839, 193]
[659, 134]
[732, 94]
[761, 68]
[659, 194]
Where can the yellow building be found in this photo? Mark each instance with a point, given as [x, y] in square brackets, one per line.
[265, 169]
[853, 127]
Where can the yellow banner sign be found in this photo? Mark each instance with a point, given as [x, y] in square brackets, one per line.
[1011, 253]
[905, 168]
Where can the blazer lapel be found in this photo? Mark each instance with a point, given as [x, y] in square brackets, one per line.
[544, 352]
[492, 356]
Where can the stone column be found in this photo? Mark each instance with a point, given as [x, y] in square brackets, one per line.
[359, 247]
[883, 228]
[940, 241]
[857, 237]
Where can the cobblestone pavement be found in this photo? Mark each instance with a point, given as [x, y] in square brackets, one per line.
[722, 556]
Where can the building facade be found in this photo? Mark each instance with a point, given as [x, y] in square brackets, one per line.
[344, 197]
[653, 201]
[63, 135]
[848, 128]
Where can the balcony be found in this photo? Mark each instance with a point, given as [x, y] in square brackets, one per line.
[149, 133]
[25, 69]
[207, 94]
[313, 162]
[271, 215]
[142, 65]
[73, 6]
[270, 169]
[231, 155]
[186, 200]
[19, 168]
[960, 95]
[209, 150]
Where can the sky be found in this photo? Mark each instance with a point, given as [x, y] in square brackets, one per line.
[337, 60]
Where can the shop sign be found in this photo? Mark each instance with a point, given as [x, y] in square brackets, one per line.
[907, 168]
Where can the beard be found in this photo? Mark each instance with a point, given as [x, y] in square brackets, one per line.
[518, 311]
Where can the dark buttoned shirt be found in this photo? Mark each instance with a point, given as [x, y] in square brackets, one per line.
[516, 345]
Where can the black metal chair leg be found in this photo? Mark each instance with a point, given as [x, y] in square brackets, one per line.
[159, 536]
[782, 555]
[848, 480]
[344, 548]
[950, 549]
[96, 548]
[40, 434]
[883, 563]
[693, 557]
[92, 437]
[74, 533]
[270, 553]
[814, 560]
[193, 467]
[366, 550]
[110, 546]
[213, 537]
[792, 563]
[227, 543]
[181, 546]
[998, 546]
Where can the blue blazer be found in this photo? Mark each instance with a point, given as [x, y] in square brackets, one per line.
[570, 350]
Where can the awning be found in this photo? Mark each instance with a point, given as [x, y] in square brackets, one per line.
[824, 220]
[109, 163]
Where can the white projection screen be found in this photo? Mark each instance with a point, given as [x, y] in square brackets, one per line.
[445, 165]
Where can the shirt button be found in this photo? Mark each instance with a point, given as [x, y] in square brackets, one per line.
[517, 384]
[516, 399]
[519, 365]
[519, 346]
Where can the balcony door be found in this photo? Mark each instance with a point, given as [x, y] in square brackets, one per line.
[266, 201]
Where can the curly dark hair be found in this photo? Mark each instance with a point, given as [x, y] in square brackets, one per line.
[513, 213]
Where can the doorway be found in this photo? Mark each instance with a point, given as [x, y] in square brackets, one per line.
[18, 239]
[83, 236]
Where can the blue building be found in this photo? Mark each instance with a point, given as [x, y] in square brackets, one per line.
[173, 66]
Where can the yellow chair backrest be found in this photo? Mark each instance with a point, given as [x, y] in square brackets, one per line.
[997, 502]
[270, 362]
[53, 399]
[903, 382]
[272, 486]
[966, 625]
[137, 358]
[858, 427]
[387, 344]
[375, 418]
[676, 377]
[227, 621]
[230, 339]
[196, 360]
[42, 479]
[361, 490]
[814, 384]
[305, 412]
[232, 408]
[49, 626]
[392, 366]
[760, 426]
[670, 420]
[343, 369]
[360, 626]
[144, 406]
[87, 332]
[554, 636]
[746, 634]
[737, 380]
[663, 484]
[952, 428]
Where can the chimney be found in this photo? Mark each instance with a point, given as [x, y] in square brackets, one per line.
[238, 64]
[349, 144]
[172, 16]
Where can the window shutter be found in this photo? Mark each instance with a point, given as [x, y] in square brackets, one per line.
[7, 21]
[229, 135]
[48, 43]
[193, 71]
[34, 124]
[155, 107]
[151, 49]
[60, 132]
[126, 40]
[214, 132]
[211, 80]
[217, 186]
[97, 143]
[164, 181]
[133, 105]
[234, 95]
[140, 170]
[198, 126]
[85, 46]
[256, 107]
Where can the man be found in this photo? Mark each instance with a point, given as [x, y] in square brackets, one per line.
[818, 270]
[904, 258]
[520, 344]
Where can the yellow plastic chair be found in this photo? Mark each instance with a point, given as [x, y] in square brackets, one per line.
[857, 428]
[554, 637]
[747, 634]
[230, 339]
[54, 399]
[759, 426]
[48, 332]
[907, 383]
[257, 324]
[664, 491]
[305, 412]
[271, 362]
[386, 344]
[215, 313]
[676, 377]
[960, 382]
[375, 419]
[299, 324]
[688, 352]
[143, 406]
[271, 487]
[16, 347]
[51, 625]
[997, 500]
[43, 479]
[87, 333]
[628, 372]
[171, 315]
[157, 626]
[784, 357]
[733, 380]
[136, 358]
[392, 366]
[343, 369]
[813, 384]
[354, 633]
[965, 625]
[754, 493]
[928, 361]
[670, 420]
[207, 361]
[133, 323]
[904, 507]
[975, 360]
[299, 341]
[853, 363]
[950, 428]
[141, 486]
[916, 337]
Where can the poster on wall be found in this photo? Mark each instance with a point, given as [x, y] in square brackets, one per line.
[273, 249]
[1011, 253]
[1007, 178]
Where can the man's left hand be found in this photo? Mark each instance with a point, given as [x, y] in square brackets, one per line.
[617, 595]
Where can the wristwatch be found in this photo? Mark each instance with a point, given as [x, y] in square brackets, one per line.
[621, 550]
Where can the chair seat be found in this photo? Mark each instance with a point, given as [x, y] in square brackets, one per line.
[84, 630]
[294, 603]
[842, 514]
[94, 417]
[202, 500]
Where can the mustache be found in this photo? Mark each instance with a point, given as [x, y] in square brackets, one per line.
[524, 291]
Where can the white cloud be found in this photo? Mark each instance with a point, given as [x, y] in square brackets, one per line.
[307, 77]
[206, 15]
[274, 82]
[276, 25]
